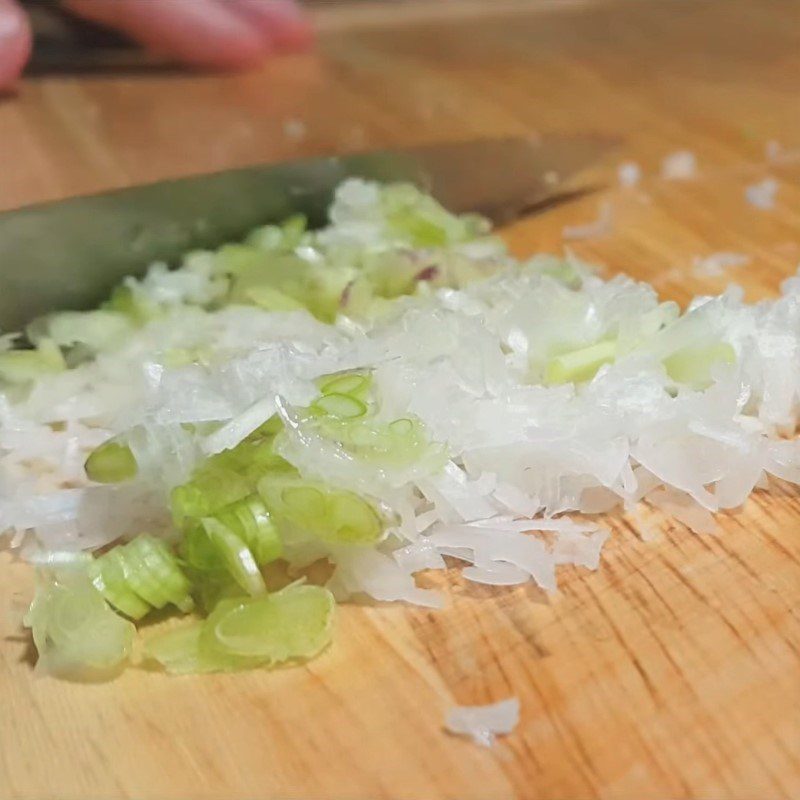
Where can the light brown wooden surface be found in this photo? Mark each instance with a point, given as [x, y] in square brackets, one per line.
[672, 671]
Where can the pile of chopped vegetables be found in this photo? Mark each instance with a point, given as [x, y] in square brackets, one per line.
[309, 416]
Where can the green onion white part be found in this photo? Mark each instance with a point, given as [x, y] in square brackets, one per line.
[388, 390]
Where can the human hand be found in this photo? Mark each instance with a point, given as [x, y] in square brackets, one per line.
[221, 34]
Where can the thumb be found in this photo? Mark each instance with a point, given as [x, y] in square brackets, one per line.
[15, 43]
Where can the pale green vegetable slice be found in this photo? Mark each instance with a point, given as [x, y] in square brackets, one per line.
[353, 520]
[108, 576]
[294, 623]
[178, 650]
[206, 494]
[398, 443]
[331, 515]
[162, 570]
[307, 501]
[343, 406]
[401, 427]
[247, 632]
[284, 237]
[317, 287]
[23, 366]
[250, 520]
[235, 259]
[693, 365]
[271, 299]
[354, 384]
[111, 462]
[75, 631]
[421, 220]
[133, 305]
[580, 365]
[98, 330]
[229, 476]
[153, 573]
[235, 555]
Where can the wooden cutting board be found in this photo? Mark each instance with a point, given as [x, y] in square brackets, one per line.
[672, 671]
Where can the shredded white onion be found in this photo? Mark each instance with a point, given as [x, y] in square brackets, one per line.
[591, 230]
[484, 723]
[521, 452]
[762, 194]
[679, 166]
[715, 265]
[629, 173]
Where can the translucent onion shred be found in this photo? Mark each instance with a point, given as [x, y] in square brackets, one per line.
[351, 405]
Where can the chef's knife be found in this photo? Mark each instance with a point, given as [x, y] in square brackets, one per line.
[70, 254]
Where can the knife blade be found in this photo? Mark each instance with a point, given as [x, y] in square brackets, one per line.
[69, 254]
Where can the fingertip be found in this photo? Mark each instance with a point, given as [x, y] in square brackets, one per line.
[282, 22]
[15, 43]
[200, 33]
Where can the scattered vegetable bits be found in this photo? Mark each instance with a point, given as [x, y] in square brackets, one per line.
[350, 405]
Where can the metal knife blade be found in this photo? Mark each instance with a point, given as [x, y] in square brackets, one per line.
[70, 254]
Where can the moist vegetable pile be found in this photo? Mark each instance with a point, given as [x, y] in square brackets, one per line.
[309, 416]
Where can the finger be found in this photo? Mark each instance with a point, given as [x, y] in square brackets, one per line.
[282, 21]
[15, 43]
[198, 32]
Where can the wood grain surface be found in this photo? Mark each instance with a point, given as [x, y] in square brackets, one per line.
[672, 671]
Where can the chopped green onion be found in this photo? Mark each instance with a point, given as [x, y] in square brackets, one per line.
[76, 633]
[111, 462]
[161, 573]
[178, 650]
[315, 286]
[243, 633]
[401, 427]
[207, 567]
[330, 515]
[235, 259]
[305, 500]
[419, 219]
[97, 331]
[124, 301]
[141, 575]
[23, 366]
[252, 523]
[354, 521]
[269, 429]
[340, 405]
[108, 576]
[140, 579]
[271, 299]
[294, 623]
[354, 384]
[693, 365]
[401, 442]
[213, 586]
[198, 551]
[284, 237]
[209, 491]
[580, 365]
[229, 476]
[235, 555]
